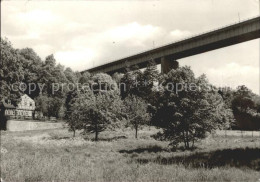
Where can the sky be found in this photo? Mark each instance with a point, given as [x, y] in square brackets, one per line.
[84, 34]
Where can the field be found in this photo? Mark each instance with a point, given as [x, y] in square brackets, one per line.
[53, 155]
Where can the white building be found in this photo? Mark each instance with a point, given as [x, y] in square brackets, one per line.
[25, 108]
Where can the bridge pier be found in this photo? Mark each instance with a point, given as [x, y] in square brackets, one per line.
[167, 65]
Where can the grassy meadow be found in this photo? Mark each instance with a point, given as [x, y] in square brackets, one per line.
[53, 155]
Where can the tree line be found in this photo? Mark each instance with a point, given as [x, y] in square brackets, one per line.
[145, 98]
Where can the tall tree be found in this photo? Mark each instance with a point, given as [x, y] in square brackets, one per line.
[46, 74]
[188, 109]
[11, 72]
[150, 79]
[131, 82]
[31, 64]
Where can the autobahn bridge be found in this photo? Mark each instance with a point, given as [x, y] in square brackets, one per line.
[168, 54]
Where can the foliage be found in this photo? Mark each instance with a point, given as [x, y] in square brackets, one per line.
[84, 78]
[136, 112]
[71, 75]
[148, 83]
[94, 112]
[131, 83]
[11, 72]
[141, 84]
[243, 99]
[41, 104]
[245, 106]
[32, 65]
[117, 77]
[186, 115]
[102, 82]
[25, 67]
[227, 94]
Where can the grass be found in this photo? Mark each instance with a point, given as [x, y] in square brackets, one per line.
[53, 155]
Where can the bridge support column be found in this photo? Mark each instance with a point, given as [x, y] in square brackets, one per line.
[167, 65]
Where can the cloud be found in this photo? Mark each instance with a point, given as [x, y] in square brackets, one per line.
[30, 24]
[234, 74]
[132, 31]
[127, 39]
[180, 34]
[133, 34]
[113, 43]
[75, 27]
[38, 17]
[76, 59]
[44, 49]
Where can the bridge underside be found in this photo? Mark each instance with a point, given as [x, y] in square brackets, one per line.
[167, 55]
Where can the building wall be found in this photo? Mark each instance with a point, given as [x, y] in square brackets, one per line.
[10, 112]
[25, 109]
[24, 113]
[14, 125]
[26, 103]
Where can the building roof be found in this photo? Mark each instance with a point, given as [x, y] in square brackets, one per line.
[7, 105]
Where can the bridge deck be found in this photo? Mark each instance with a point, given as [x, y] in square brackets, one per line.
[223, 37]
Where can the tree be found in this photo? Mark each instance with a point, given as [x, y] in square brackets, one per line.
[94, 112]
[70, 75]
[102, 82]
[71, 95]
[136, 113]
[227, 94]
[73, 121]
[243, 99]
[257, 103]
[24, 67]
[11, 71]
[41, 104]
[85, 78]
[117, 77]
[246, 109]
[31, 64]
[132, 82]
[188, 108]
[74, 112]
[97, 121]
[150, 80]
[56, 107]
[51, 74]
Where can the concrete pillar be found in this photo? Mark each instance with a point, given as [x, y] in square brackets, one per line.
[167, 65]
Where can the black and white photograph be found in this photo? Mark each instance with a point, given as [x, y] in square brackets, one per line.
[130, 91]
